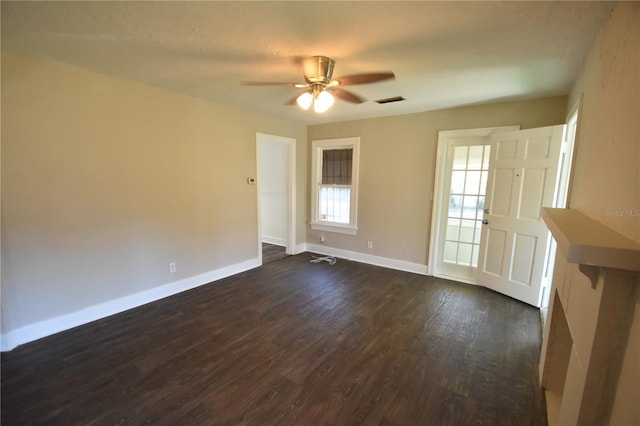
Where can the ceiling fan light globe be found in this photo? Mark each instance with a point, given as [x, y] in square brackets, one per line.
[323, 102]
[305, 100]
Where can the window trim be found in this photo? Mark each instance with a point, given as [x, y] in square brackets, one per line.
[317, 147]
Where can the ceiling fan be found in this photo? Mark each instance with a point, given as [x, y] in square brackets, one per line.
[321, 88]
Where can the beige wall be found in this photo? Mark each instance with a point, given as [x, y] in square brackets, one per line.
[106, 181]
[397, 169]
[606, 173]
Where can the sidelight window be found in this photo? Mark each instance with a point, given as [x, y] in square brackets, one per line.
[466, 204]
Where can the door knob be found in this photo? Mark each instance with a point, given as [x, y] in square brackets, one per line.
[485, 222]
[487, 211]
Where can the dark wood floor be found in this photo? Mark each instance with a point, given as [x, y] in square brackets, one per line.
[271, 253]
[291, 343]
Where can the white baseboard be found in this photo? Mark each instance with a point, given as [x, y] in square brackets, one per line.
[44, 328]
[31, 332]
[400, 265]
[7, 341]
[274, 240]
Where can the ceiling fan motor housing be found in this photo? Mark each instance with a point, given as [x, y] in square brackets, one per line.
[318, 69]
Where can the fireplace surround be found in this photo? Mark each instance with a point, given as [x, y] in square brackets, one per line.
[593, 297]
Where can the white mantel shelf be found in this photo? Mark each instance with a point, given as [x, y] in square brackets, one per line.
[589, 243]
[587, 328]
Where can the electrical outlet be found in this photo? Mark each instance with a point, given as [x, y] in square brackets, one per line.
[172, 267]
[370, 244]
[321, 238]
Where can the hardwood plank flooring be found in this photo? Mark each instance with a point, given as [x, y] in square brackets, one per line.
[291, 343]
[272, 252]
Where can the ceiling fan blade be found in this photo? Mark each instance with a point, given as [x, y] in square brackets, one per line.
[365, 78]
[347, 96]
[272, 83]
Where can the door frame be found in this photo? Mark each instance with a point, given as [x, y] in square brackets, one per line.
[291, 189]
[439, 191]
[562, 197]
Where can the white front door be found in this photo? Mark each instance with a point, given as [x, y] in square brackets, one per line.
[461, 221]
[461, 177]
[522, 178]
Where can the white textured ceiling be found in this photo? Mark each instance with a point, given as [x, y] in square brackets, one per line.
[444, 54]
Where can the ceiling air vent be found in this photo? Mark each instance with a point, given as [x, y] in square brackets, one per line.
[389, 100]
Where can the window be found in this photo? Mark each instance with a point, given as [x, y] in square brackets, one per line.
[469, 173]
[335, 185]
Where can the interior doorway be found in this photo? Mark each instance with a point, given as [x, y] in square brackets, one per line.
[276, 196]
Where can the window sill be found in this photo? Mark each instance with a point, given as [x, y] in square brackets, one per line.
[341, 229]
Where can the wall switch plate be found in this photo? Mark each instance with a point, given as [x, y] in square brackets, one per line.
[369, 244]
